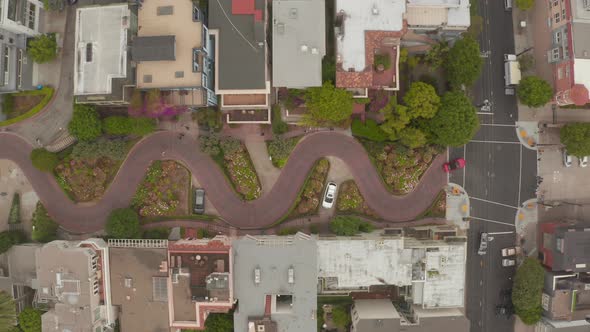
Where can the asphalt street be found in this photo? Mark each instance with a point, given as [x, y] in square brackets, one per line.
[500, 175]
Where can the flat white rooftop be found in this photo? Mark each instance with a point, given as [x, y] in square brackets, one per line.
[451, 13]
[582, 72]
[101, 48]
[361, 16]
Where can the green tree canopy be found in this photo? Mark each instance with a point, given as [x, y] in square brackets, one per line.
[340, 316]
[44, 228]
[527, 290]
[368, 129]
[42, 48]
[123, 224]
[455, 123]
[413, 137]
[463, 64]
[438, 54]
[44, 160]
[85, 124]
[219, 323]
[525, 4]
[10, 238]
[29, 320]
[327, 106]
[422, 100]
[396, 118]
[7, 313]
[14, 216]
[576, 138]
[534, 91]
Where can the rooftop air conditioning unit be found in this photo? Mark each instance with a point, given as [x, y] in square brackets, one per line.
[260, 328]
[587, 5]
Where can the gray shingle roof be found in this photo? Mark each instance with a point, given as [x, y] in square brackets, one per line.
[154, 48]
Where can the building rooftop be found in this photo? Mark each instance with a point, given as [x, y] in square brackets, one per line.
[101, 48]
[444, 13]
[376, 309]
[241, 43]
[136, 274]
[276, 278]
[362, 16]
[435, 268]
[173, 65]
[298, 42]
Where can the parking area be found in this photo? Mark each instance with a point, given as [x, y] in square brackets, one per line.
[560, 183]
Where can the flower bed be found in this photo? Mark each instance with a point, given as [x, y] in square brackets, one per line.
[400, 168]
[85, 180]
[309, 200]
[23, 105]
[164, 190]
[242, 173]
[280, 149]
[351, 201]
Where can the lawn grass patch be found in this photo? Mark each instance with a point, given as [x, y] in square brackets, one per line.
[8, 106]
[369, 129]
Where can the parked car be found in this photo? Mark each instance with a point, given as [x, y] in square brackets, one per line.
[567, 159]
[199, 207]
[583, 161]
[454, 165]
[504, 310]
[507, 4]
[510, 251]
[329, 195]
[507, 262]
[483, 243]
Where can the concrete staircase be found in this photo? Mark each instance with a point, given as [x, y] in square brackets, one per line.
[61, 143]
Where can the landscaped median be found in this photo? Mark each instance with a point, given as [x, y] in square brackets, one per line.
[23, 105]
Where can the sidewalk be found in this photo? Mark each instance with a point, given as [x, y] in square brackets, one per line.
[526, 227]
[457, 205]
[267, 173]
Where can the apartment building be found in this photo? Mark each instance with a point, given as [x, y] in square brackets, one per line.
[298, 44]
[563, 246]
[174, 53]
[569, 50]
[275, 284]
[104, 74]
[242, 77]
[18, 274]
[19, 19]
[72, 280]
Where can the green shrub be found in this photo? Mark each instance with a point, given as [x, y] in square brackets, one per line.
[345, 226]
[44, 160]
[280, 149]
[29, 320]
[576, 138]
[14, 216]
[288, 231]
[10, 238]
[341, 316]
[122, 125]
[209, 117]
[203, 234]
[85, 124]
[314, 229]
[279, 126]
[156, 233]
[123, 224]
[44, 228]
[382, 59]
[369, 130]
[8, 103]
[115, 149]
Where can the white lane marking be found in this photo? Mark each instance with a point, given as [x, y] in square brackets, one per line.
[496, 125]
[464, 158]
[494, 142]
[492, 202]
[519, 174]
[492, 221]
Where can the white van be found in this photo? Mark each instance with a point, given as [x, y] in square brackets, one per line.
[508, 4]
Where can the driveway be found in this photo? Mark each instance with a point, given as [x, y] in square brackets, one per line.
[256, 214]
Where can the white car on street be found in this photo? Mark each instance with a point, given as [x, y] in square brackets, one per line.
[329, 195]
[567, 159]
[510, 251]
[583, 161]
[506, 262]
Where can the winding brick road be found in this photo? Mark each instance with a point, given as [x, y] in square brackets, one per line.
[90, 217]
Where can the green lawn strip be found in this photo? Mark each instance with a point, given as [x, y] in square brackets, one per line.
[48, 94]
[287, 214]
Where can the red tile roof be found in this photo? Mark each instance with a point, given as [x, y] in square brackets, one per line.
[579, 95]
[246, 7]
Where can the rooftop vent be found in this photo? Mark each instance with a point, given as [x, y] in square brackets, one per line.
[304, 48]
[257, 275]
[314, 50]
[375, 10]
[128, 282]
[291, 275]
[281, 28]
[293, 13]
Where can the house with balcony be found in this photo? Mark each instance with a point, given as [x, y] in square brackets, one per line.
[566, 296]
[368, 32]
[200, 280]
[298, 42]
[242, 77]
[569, 51]
[564, 246]
[276, 283]
[104, 74]
[19, 20]
[174, 53]
[73, 281]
